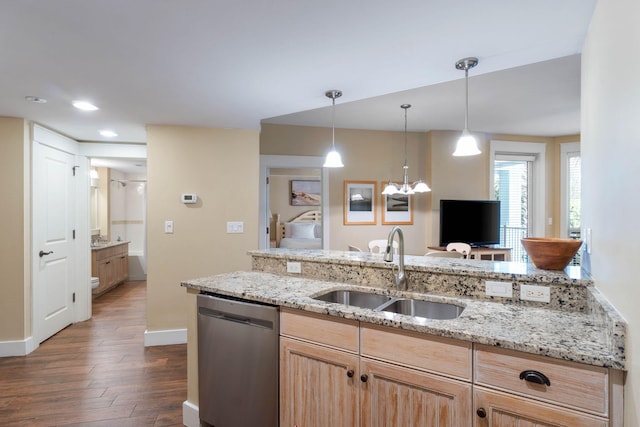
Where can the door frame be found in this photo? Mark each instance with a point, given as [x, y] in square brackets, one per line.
[268, 162]
[565, 149]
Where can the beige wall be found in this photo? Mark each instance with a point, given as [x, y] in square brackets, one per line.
[15, 290]
[378, 155]
[368, 156]
[610, 158]
[222, 167]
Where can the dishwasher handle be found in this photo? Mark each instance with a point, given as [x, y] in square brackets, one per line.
[248, 321]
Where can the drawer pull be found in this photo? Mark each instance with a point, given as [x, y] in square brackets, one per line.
[481, 413]
[351, 373]
[535, 377]
[364, 378]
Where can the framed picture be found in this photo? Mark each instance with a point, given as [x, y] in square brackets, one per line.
[360, 202]
[397, 209]
[305, 193]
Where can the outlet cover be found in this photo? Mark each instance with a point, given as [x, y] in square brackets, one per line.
[535, 293]
[294, 267]
[498, 289]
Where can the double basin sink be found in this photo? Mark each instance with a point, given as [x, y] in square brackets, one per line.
[406, 306]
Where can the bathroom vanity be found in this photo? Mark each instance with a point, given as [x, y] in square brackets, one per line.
[110, 264]
[498, 360]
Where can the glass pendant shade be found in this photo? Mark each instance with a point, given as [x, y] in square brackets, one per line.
[333, 160]
[467, 145]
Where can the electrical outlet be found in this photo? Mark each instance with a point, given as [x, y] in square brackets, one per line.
[294, 267]
[498, 289]
[535, 293]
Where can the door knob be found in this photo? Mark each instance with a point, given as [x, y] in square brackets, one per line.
[43, 253]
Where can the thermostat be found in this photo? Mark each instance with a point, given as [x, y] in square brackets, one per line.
[189, 198]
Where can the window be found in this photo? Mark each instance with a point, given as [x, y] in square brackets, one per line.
[518, 182]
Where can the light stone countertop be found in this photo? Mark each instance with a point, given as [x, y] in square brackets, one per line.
[108, 245]
[568, 335]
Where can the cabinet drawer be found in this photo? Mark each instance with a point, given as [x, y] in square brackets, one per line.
[415, 350]
[573, 385]
[330, 331]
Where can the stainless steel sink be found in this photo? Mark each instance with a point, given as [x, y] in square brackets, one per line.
[355, 298]
[428, 309]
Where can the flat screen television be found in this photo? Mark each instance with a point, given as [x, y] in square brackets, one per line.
[476, 222]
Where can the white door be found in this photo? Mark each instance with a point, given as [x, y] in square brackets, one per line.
[53, 213]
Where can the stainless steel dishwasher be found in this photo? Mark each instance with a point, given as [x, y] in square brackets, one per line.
[237, 362]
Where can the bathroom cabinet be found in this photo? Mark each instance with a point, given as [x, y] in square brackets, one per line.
[110, 265]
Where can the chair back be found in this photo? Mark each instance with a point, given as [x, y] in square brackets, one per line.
[463, 248]
[379, 246]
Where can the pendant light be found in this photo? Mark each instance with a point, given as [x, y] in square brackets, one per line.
[467, 145]
[333, 159]
[405, 188]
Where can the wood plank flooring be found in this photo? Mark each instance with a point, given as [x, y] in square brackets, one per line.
[98, 373]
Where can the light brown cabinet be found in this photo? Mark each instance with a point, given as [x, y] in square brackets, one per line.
[110, 265]
[344, 373]
[513, 388]
[332, 382]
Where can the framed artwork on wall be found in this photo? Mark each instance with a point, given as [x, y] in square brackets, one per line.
[397, 209]
[360, 202]
[305, 193]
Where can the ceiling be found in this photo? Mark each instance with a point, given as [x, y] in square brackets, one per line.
[236, 64]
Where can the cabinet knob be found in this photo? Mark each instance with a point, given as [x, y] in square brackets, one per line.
[364, 378]
[481, 413]
[535, 377]
[351, 373]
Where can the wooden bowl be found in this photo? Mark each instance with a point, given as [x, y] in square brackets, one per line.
[550, 253]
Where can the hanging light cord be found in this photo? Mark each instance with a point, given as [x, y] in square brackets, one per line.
[333, 123]
[466, 103]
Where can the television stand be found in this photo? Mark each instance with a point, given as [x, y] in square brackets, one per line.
[483, 253]
[490, 254]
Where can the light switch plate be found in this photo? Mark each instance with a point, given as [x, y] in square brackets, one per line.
[498, 289]
[235, 227]
[168, 227]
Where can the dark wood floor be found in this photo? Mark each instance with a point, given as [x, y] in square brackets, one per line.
[98, 372]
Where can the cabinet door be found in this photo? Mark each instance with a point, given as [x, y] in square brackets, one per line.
[396, 396]
[105, 274]
[317, 385]
[494, 409]
[121, 268]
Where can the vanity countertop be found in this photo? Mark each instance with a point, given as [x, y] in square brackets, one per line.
[589, 337]
[105, 245]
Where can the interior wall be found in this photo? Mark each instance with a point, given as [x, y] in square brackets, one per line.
[221, 166]
[368, 156]
[610, 150]
[15, 288]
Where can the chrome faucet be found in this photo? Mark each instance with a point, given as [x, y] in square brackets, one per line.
[400, 277]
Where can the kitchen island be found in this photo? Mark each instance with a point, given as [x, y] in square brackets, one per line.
[576, 329]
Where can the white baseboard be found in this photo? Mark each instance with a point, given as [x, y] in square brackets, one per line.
[190, 414]
[167, 337]
[17, 348]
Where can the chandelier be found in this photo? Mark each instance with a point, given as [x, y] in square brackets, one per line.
[405, 188]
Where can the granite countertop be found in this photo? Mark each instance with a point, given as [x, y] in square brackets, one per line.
[104, 245]
[584, 337]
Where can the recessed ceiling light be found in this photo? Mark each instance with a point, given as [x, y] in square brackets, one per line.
[36, 99]
[84, 106]
[108, 133]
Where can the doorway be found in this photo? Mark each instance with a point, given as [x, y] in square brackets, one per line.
[298, 163]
